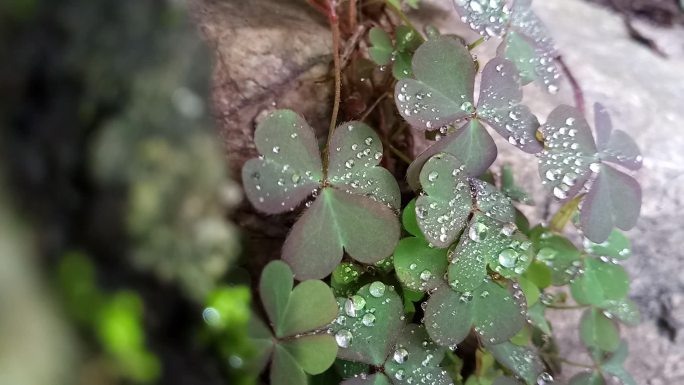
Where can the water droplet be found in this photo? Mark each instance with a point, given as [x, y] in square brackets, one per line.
[343, 338]
[353, 305]
[349, 163]
[545, 379]
[400, 355]
[276, 149]
[425, 275]
[433, 176]
[368, 319]
[508, 258]
[211, 316]
[377, 289]
[478, 232]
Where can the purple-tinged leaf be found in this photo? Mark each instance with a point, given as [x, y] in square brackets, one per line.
[289, 168]
[492, 202]
[569, 155]
[443, 212]
[471, 144]
[442, 91]
[416, 358]
[369, 324]
[448, 316]
[615, 146]
[354, 153]
[602, 124]
[285, 370]
[366, 229]
[499, 105]
[488, 18]
[614, 200]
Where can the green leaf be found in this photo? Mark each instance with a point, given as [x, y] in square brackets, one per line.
[587, 378]
[409, 220]
[407, 39]
[597, 331]
[442, 92]
[373, 379]
[263, 342]
[535, 314]
[419, 266]
[354, 154]
[471, 144]
[285, 369]
[290, 168]
[416, 358]
[492, 202]
[369, 324]
[539, 274]
[442, 213]
[616, 246]
[521, 360]
[300, 317]
[487, 242]
[624, 310]
[345, 278]
[488, 18]
[382, 49]
[530, 290]
[366, 229]
[401, 69]
[557, 253]
[274, 288]
[491, 309]
[314, 354]
[615, 365]
[600, 282]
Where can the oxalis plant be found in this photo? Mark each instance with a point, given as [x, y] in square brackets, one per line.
[427, 272]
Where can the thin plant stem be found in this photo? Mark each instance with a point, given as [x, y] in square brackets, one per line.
[576, 89]
[335, 26]
[567, 307]
[476, 43]
[373, 106]
[564, 214]
[401, 15]
[578, 364]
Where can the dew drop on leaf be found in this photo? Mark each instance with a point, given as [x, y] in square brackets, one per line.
[353, 305]
[368, 319]
[377, 289]
[400, 355]
[343, 338]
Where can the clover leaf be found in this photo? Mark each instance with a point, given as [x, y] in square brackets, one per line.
[449, 197]
[352, 187]
[614, 365]
[571, 156]
[598, 331]
[526, 41]
[295, 342]
[587, 378]
[494, 311]
[511, 189]
[624, 310]
[383, 52]
[599, 283]
[616, 246]
[442, 94]
[371, 330]
[419, 266]
[557, 253]
[523, 361]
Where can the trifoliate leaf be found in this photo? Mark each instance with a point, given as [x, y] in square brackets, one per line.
[416, 359]
[614, 200]
[382, 49]
[499, 105]
[615, 365]
[471, 144]
[528, 44]
[290, 168]
[598, 332]
[587, 378]
[615, 146]
[624, 310]
[600, 282]
[488, 18]
[369, 324]
[616, 246]
[442, 92]
[355, 151]
[492, 202]
[491, 309]
[419, 266]
[442, 213]
[539, 274]
[366, 229]
[521, 360]
[557, 253]
[294, 314]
